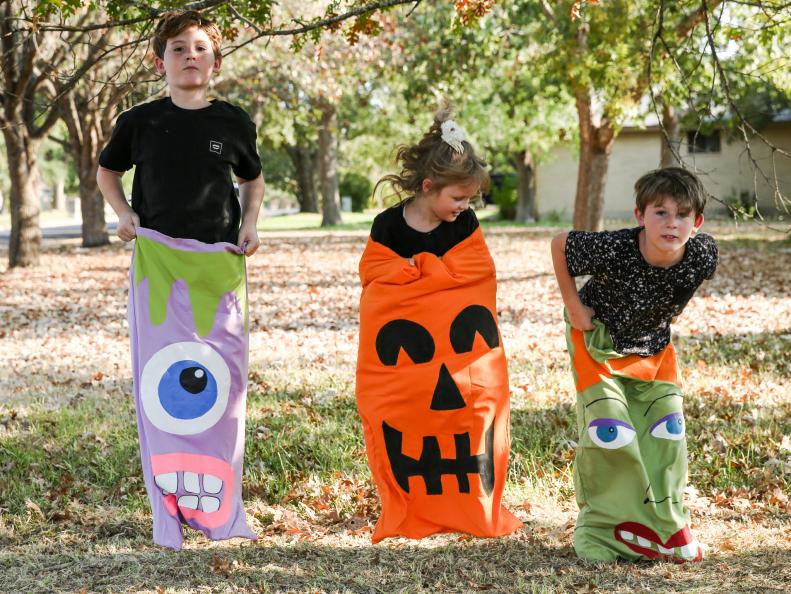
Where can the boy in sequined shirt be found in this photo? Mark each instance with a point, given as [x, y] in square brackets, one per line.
[630, 469]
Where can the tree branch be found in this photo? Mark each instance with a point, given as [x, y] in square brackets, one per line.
[695, 18]
[547, 8]
[411, 10]
[212, 4]
[325, 22]
[152, 13]
[748, 132]
[27, 62]
[245, 20]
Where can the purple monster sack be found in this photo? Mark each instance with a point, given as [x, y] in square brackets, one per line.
[188, 328]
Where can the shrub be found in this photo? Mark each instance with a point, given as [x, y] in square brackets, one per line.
[742, 204]
[504, 195]
[358, 188]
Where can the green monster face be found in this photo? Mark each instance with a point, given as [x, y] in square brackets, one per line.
[631, 469]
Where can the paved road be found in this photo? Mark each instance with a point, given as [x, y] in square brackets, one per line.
[57, 230]
[68, 229]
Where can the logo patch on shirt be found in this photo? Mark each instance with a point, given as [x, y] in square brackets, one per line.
[215, 147]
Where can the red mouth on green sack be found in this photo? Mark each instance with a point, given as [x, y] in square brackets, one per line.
[681, 546]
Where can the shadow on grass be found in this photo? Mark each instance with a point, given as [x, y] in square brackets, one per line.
[520, 563]
[86, 454]
[88, 450]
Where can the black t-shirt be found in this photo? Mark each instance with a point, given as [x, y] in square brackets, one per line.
[634, 300]
[390, 229]
[184, 158]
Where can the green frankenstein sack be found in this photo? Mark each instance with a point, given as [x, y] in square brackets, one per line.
[631, 464]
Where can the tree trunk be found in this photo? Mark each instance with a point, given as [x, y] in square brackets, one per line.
[37, 183]
[59, 195]
[25, 242]
[526, 203]
[304, 160]
[598, 179]
[94, 226]
[34, 68]
[672, 132]
[596, 140]
[89, 125]
[328, 167]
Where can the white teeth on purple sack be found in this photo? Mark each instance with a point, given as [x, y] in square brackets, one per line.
[211, 484]
[191, 483]
[167, 482]
[188, 501]
[209, 504]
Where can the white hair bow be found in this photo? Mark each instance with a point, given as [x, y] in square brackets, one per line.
[453, 135]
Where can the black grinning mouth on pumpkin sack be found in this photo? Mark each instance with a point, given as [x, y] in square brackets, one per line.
[431, 466]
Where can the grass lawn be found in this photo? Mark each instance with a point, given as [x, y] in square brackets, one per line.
[73, 510]
[361, 221]
[304, 221]
[44, 216]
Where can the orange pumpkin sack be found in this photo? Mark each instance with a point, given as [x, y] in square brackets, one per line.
[432, 391]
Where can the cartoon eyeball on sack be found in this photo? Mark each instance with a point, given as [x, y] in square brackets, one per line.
[184, 388]
[611, 434]
[669, 427]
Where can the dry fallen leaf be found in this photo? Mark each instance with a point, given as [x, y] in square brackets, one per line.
[222, 565]
[727, 545]
[33, 506]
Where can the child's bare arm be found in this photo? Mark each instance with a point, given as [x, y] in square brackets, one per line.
[251, 194]
[109, 183]
[580, 315]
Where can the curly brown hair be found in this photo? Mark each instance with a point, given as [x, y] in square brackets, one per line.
[433, 158]
[174, 22]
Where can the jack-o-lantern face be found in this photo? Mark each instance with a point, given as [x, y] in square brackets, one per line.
[417, 342]
[432, 391]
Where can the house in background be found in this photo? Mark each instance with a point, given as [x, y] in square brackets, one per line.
[719, 158]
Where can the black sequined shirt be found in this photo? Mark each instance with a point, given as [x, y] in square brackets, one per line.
[635, 300]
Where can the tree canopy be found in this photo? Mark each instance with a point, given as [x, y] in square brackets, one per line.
[334, 85]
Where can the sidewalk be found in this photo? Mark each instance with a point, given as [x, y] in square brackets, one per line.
[71, 227]
[59, 228]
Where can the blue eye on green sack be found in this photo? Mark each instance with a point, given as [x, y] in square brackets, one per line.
[669, 427]
[611, 433]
